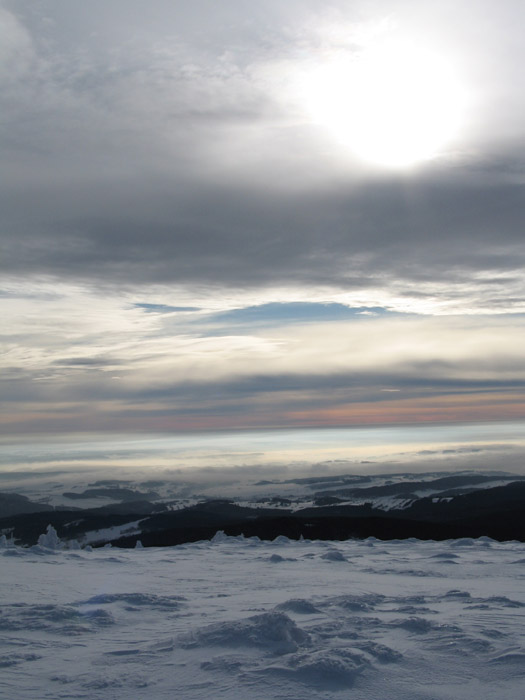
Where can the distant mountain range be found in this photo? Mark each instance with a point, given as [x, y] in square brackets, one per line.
[429, 506]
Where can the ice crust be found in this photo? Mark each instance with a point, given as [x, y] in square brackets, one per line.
[236, 617]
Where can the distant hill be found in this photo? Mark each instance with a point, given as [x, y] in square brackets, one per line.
[444, 507]
[15, 504]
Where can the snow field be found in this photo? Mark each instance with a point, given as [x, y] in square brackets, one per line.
[238, 618]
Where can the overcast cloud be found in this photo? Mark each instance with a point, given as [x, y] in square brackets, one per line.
[161, 168]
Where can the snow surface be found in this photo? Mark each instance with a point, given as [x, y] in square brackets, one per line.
[241, 618]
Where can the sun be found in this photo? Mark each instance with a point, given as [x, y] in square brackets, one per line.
[394, 106]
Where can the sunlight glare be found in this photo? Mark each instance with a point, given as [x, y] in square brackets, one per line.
[393, 106]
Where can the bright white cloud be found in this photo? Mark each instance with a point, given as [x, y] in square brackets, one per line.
[73, 332]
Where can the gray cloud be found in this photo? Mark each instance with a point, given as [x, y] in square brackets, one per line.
[156, 147]
[165, 188]
[388, 233]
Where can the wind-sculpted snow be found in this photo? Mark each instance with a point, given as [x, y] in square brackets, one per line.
[333, 555]
[335, 669]
[136, 601]
[298, 606]
[58, 619]
[273, 631]
[240, 618]
[16, 658]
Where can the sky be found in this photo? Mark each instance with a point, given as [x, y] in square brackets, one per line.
[239, 215]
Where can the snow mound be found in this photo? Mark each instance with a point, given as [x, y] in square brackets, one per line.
[135, 601]
[273, 631]
[504, 602]
[356, 603]
[413, 610]
[62, 619]
[328, 668]
[15, 659]
[333, 555]
[299, 606]
[276, 558]
[227, 663]
[417, 625]
[380, 652]
[102, 683]
[456, 595]
[463, 542]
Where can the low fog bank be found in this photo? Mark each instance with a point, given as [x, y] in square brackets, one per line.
[228, 475]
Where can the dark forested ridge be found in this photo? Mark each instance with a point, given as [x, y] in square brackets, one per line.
[460, 510]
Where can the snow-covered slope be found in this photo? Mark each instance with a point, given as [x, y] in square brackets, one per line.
[238, 618]
[170, 490]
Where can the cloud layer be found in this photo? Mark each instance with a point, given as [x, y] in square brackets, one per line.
[164, 179]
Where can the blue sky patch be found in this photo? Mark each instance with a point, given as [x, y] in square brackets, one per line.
[296, 312]
[164, 308]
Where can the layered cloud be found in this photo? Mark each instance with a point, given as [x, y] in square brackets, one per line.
[183, 246]
[101, 364]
